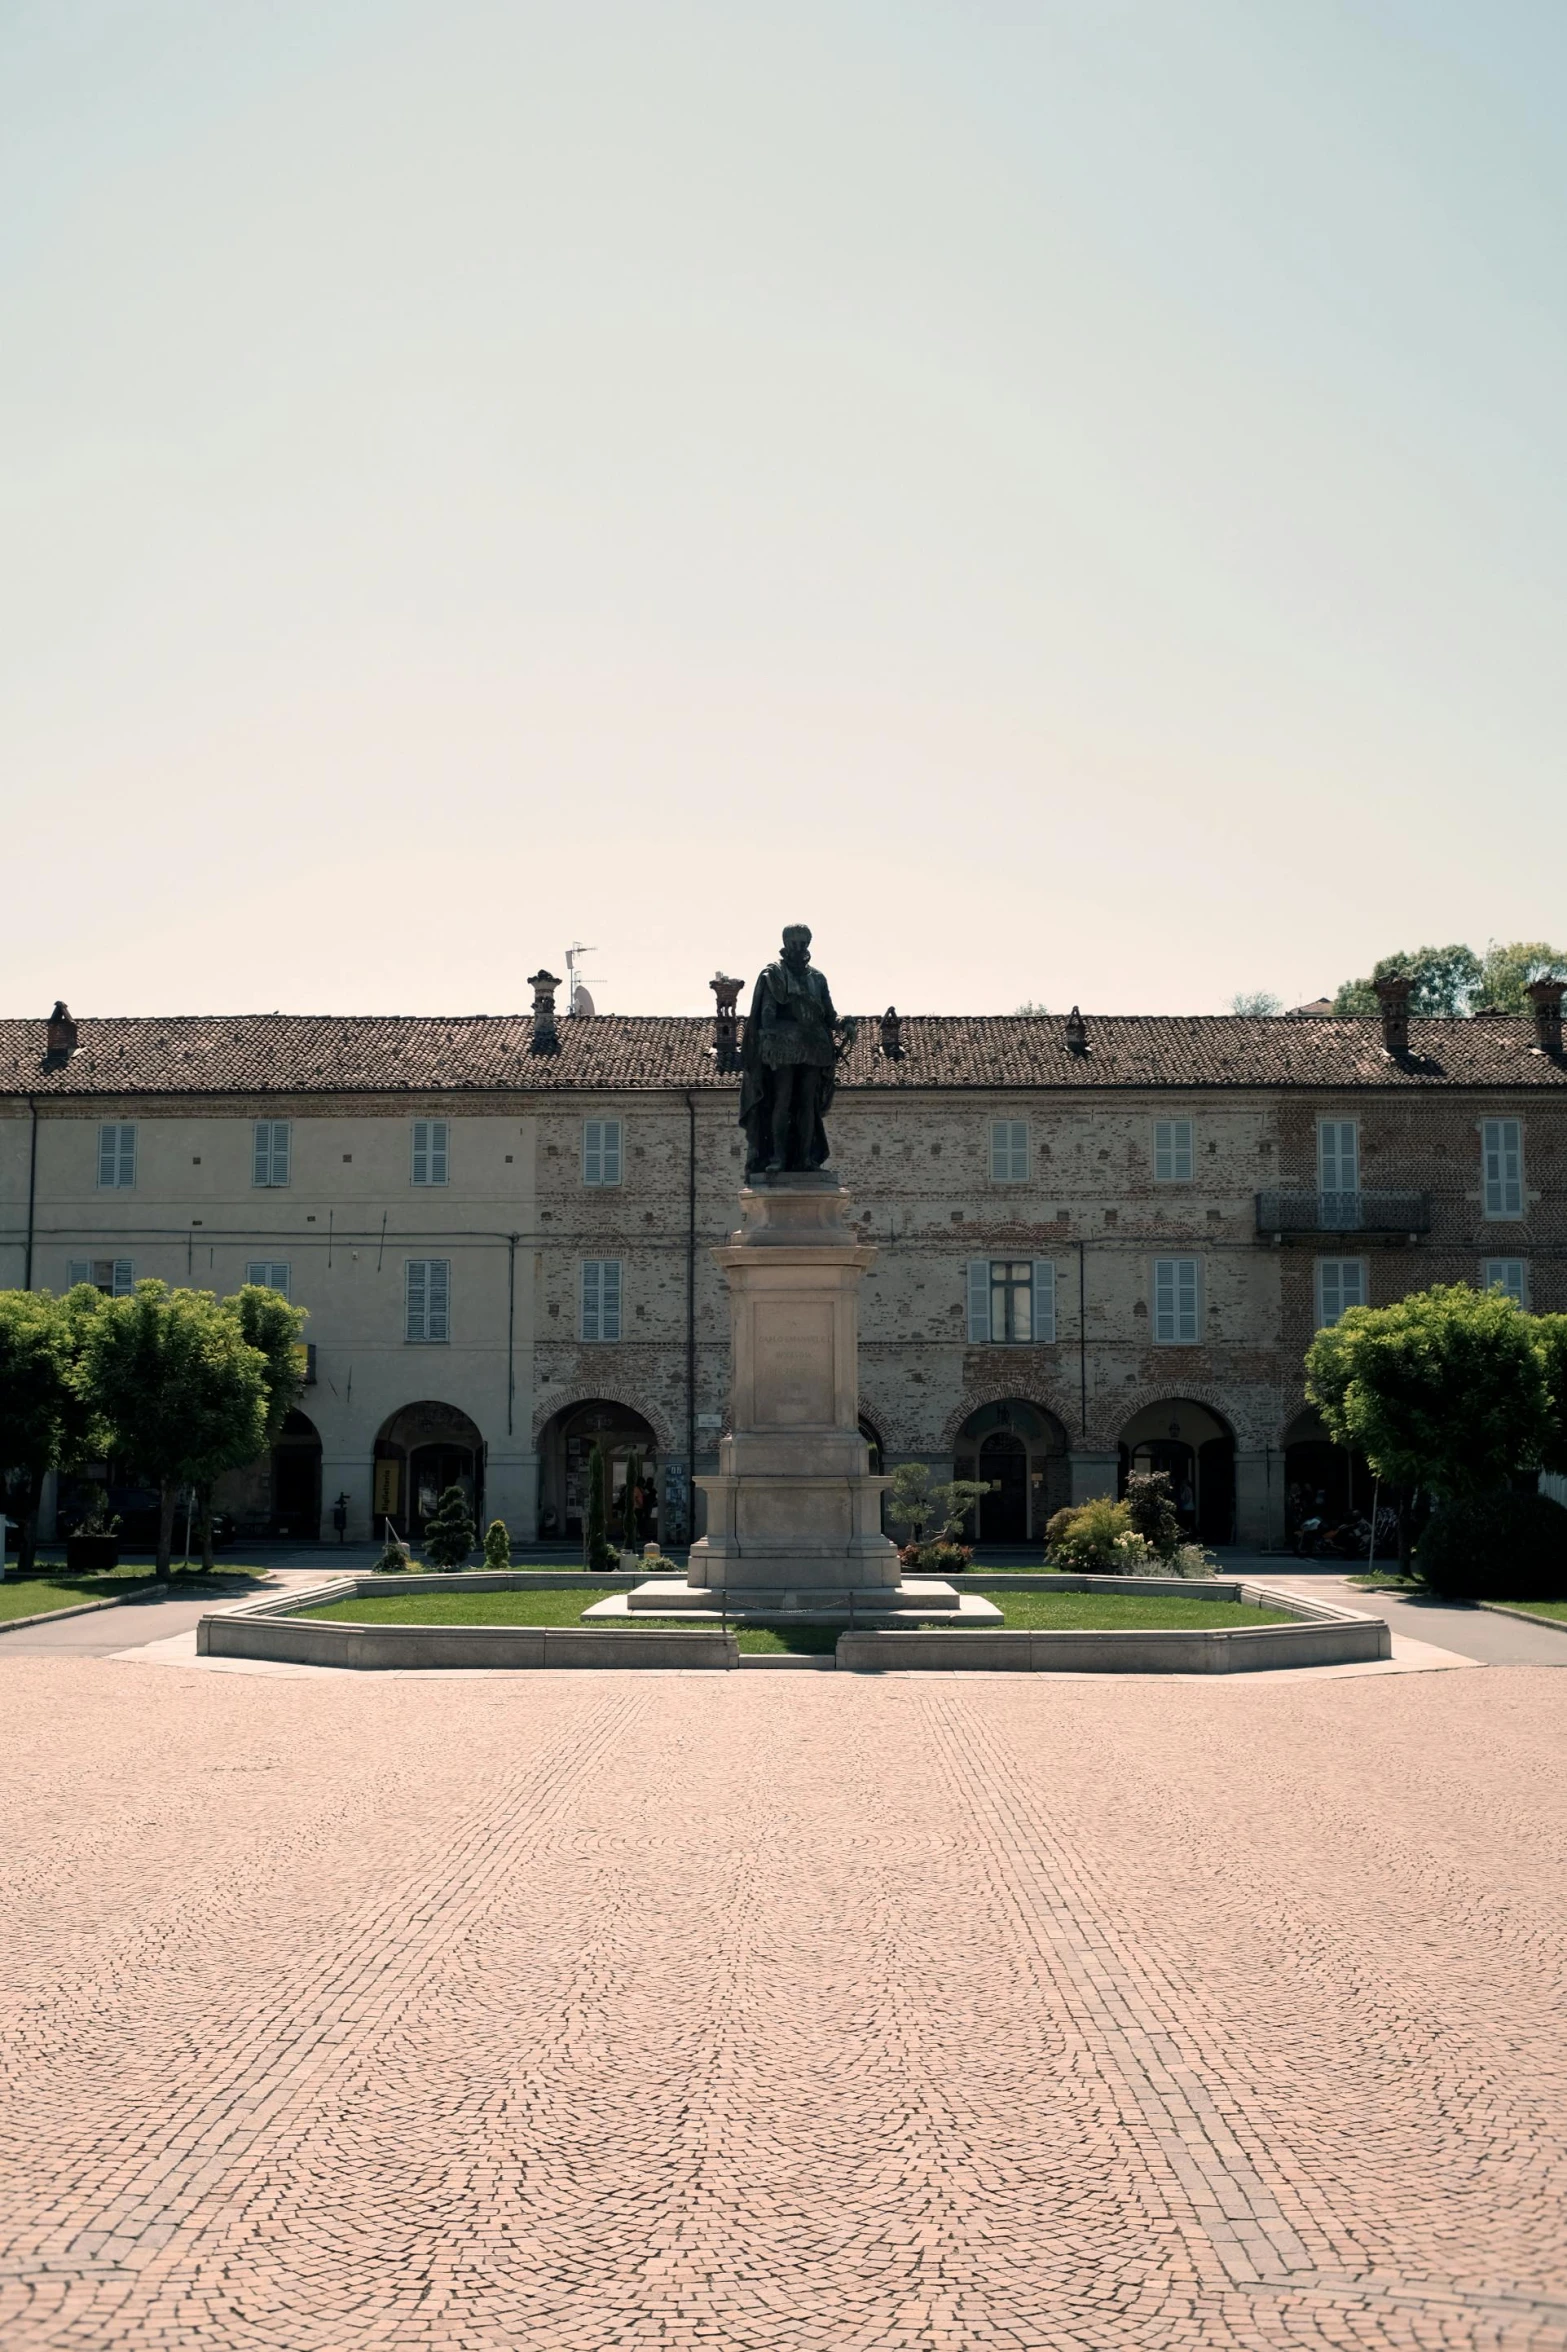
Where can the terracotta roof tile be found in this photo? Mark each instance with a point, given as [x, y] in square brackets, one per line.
[276, 1053]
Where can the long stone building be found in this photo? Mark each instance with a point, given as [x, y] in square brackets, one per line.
[1102, 1242]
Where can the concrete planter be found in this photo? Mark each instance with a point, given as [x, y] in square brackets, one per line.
[268, 1629]
[1322, 1636]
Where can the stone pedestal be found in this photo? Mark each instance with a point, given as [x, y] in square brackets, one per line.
[794, 1513]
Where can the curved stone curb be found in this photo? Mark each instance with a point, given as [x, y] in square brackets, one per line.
[77, 1609]
[1529, 1616]
[269, 1629]
[1324, 1636]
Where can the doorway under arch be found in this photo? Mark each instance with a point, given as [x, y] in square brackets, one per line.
[1195, 1446]
[1322, 1479]
[296, 1481]
[1020, 1453]
[566, 1444]
[420, 1451]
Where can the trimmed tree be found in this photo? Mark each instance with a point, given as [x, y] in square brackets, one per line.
[497, 1545]
[270, 1325]
[182, 1393]
[598, 1551]
[449, 1531]
[1150, 1511]
[630, 1516]
[42, 1421]
[915, 1501]
[1446, 1390]
[1550, 1337]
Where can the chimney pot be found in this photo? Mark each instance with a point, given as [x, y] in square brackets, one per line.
[1076, 1032]
[544, 984]
[59, 1037]
[892, 1034]
[1546, 998]
[1393, 995]
[726, 1023]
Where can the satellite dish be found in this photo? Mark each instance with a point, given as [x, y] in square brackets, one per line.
[581, 1002]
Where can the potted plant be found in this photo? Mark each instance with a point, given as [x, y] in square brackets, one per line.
[94, 1543]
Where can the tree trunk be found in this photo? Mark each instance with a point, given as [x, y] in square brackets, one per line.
[24, 1502]
[204, 1512]
[168, 1496]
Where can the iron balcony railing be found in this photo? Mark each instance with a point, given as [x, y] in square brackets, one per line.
[1285, 1213]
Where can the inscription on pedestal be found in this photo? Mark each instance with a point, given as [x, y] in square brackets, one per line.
[794, 1382]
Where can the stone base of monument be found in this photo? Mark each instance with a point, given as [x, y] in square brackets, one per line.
[794, 1509]
[917, 1600]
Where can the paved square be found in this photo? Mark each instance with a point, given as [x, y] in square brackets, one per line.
[574, 2011]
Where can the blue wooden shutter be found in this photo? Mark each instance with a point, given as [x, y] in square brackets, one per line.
[611, 1151]
[978, 1302]
[609, 1279]
[414, 1273]
[1044, 1302]
[438, 1312]
[439, 1154]
[590, 1298]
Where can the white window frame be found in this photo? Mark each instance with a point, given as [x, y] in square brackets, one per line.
[603, 1151]
[1501, 1170]
[121, 1275]
[117, 1156]
[1177, 1290]
[601, 1293]
[430, 1153]
[1174, 1147]
[272, 1274]
[427, 1302]
[271, 1153]
[981, 1288]
[1331, 1287]
[1509, 1275]
[1009, 1140]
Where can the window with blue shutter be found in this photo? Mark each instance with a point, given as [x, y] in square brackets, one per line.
[600, 1298]
[1509, 1275]
[1341, 1283]
[1502, 1151]
[978, 1302]
[116, 1157]
[1175, 1301]
[270, 1153]
[1044, 1303]
[1338, 1173]
[115, 1277]
[1172, 1151]
[427, 1285]
[601, 1151]
[1008, 1151]
[271, 1274]
[431, 1157]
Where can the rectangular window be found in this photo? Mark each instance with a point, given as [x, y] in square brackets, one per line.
[1011, 1302]
[1172, 1151]
[116, 1157]
[1175, 1302]
[115, 1277]
[269, 1161]
[1009, 1151]
[1341, 1283]
[601, 1151]
[1507, 1274]
[427, 1298]
[1502, 1159]
[431, 1158]
[271, 1273]
[1338, 1171]
[600, 1298]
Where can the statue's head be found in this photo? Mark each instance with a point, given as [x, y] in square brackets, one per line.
[797, 943]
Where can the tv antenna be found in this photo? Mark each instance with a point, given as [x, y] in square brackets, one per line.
[577, 997]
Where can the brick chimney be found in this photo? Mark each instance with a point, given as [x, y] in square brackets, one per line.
[1393, 996]
[1076, 1032]
[1546, 998]
[544, 985]
[892, 1034]
[60, 1037]
[726, 1021]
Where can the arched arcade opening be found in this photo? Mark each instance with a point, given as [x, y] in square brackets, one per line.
[420, 1451]
[1020, 1453]
[1195, 1446]
[565, 1444]
[1322, 1480]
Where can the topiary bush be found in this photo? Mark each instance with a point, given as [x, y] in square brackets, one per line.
[1496, 1546]
[394, 1559]
[1087, 1543]
[497, 1545]
[449, 1531]
[1151, 1511]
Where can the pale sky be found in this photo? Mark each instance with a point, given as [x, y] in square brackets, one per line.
[1066, 497]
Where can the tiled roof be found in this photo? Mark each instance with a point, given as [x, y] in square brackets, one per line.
[290, 1053]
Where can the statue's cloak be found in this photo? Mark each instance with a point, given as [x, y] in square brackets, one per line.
[791, 1022]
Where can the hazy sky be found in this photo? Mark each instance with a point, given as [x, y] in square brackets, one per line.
[1064, 496]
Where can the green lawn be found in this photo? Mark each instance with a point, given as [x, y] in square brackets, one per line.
[1556, 1609]
[56, 1589]
[1021, 1612]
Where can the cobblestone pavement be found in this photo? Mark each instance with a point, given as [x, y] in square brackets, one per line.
[813, 2011]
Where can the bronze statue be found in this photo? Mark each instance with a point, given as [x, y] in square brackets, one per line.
[794, 1042]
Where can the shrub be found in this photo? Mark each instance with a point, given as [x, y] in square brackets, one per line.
[1151, 1511]
[449, 1531]
[1086, 1544]
[497, 1545]
[1134, 1555]
[1189, 1559]
[1496, 1546]
[944, 1558]
[394, 1559]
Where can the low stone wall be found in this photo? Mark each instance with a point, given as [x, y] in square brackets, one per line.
[1321, 1636]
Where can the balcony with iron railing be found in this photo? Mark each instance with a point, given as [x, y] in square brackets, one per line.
[1310, 1216]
